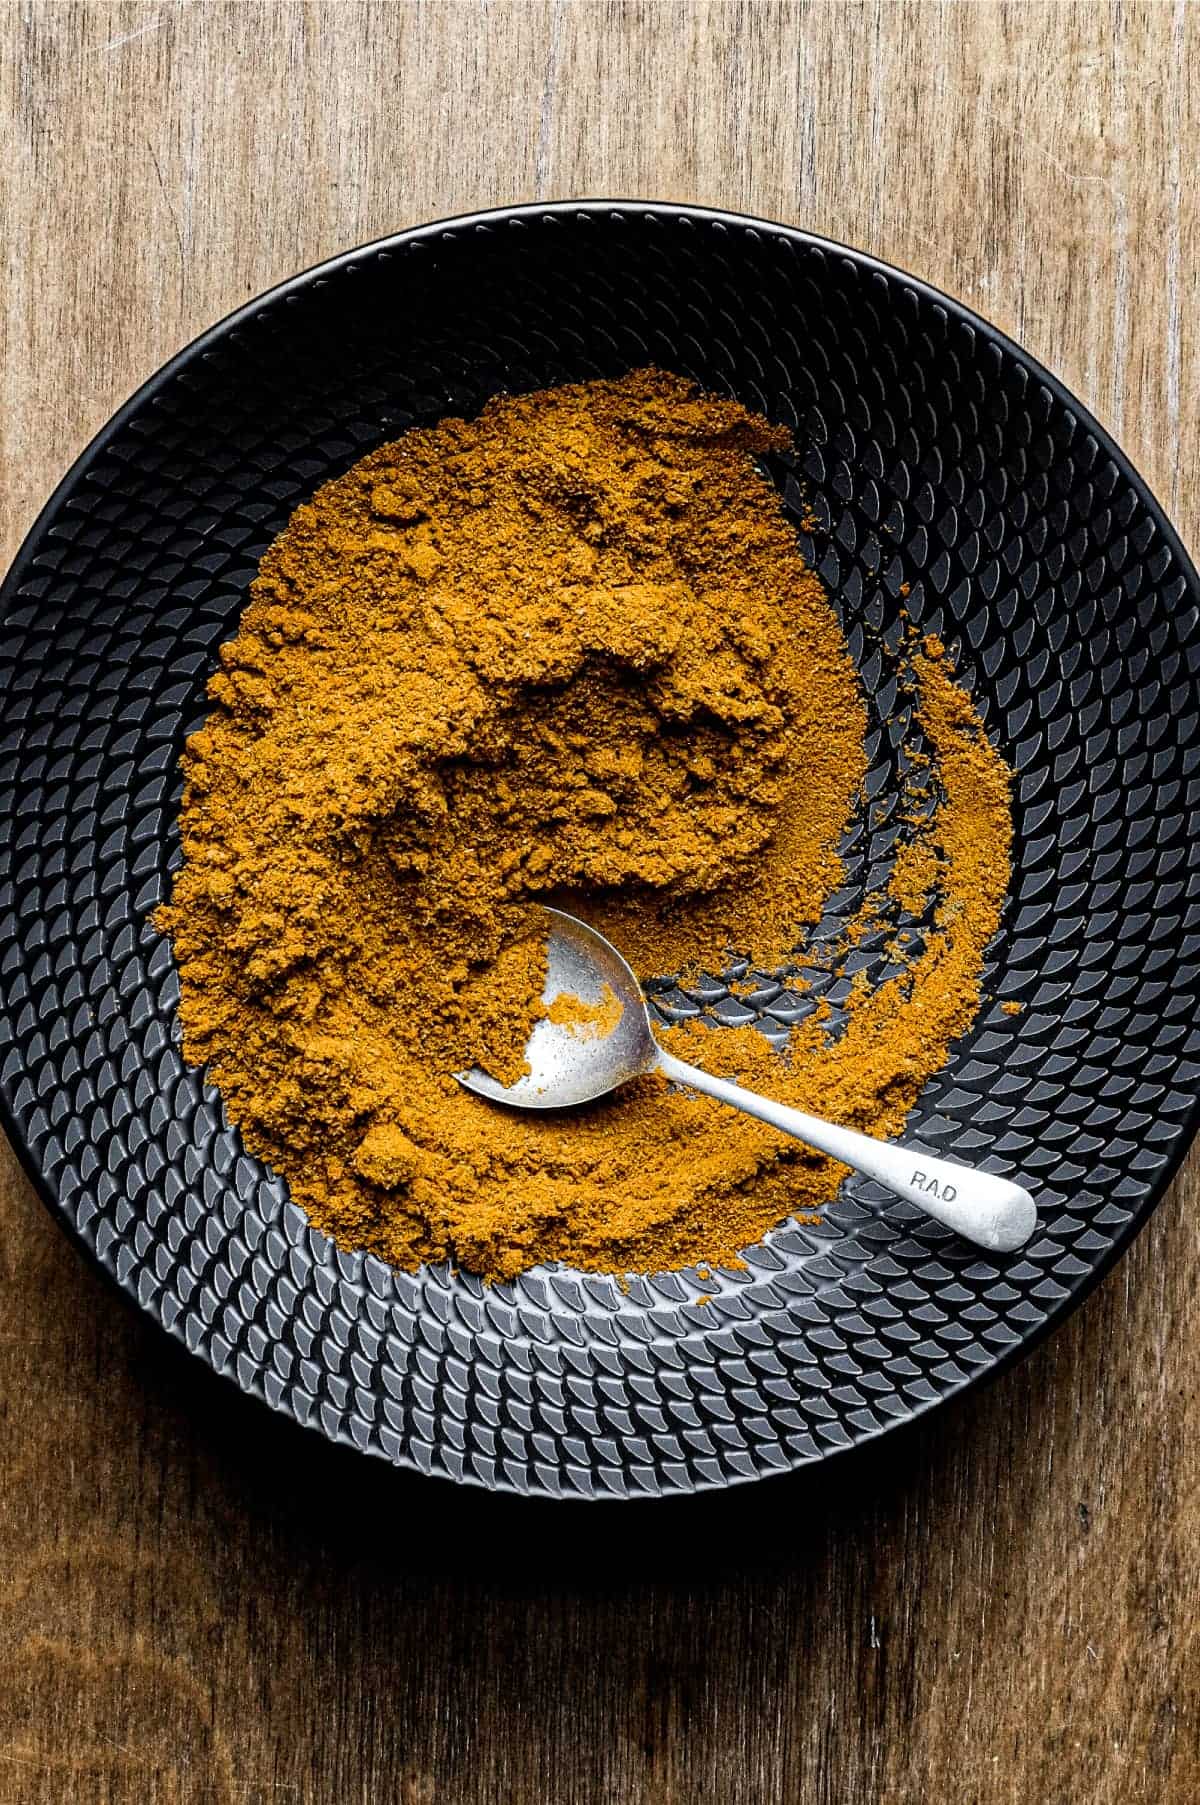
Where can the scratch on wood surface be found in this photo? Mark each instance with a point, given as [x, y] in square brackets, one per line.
[121, 1748]
[162, 188]
[541, 167]
[245, 1789]
[1174, 212]
[1121, 286]
[1077, 177]
[142, 31]
[161, 18]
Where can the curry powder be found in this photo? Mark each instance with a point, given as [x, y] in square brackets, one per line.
[568, 651]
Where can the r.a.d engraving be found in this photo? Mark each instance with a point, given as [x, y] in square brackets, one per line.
[932, 1188]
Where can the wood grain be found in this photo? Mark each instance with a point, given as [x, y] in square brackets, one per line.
[200, 1604]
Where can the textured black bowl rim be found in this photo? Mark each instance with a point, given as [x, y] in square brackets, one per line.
[743, 222]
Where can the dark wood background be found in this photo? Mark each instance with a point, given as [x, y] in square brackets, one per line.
[198, 1603]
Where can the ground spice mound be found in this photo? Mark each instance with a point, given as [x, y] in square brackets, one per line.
[568, 651]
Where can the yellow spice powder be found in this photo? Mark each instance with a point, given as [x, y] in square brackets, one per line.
[566, 652]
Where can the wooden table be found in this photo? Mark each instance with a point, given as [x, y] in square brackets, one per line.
[198, 1603]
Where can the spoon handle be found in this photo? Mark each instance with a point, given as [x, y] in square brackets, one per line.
[993, 1212]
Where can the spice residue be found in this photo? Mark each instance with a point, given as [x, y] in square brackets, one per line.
[587, 1021]
[569, 652]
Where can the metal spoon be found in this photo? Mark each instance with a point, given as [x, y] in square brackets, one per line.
[572, 1060]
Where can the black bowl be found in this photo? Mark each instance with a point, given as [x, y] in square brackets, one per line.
[937, 456]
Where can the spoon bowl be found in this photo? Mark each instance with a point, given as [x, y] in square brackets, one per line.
[579, 1053]
[596, 1034]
